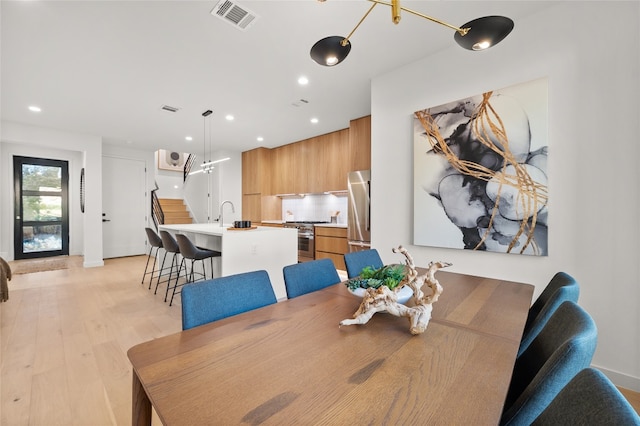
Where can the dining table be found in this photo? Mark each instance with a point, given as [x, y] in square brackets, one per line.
[292, 363]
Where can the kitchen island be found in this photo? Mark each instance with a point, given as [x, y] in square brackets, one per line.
[245, 250]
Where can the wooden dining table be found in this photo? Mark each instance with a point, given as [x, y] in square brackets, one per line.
[291, 362]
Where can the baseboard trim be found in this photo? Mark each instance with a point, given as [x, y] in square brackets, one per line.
[620, 379]
[93, 264]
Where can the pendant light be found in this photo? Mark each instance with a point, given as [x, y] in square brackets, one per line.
[207, 166]
[478, 34]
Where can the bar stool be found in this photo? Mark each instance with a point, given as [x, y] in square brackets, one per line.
[170, 245]
[155, 242]
[189, 251]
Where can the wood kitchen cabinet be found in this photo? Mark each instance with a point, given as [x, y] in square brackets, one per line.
[360, 144]
[329, 162]
[273, 225]
[331, 242]
[258, 207]
[256, 171]
[257, 201]
[288, 168]
[314, 165]
[252, 207]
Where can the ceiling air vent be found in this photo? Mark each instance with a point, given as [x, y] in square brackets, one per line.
[238, 16]
[169, 108]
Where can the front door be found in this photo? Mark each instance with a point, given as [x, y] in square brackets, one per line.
[41, 220]
[123, 207]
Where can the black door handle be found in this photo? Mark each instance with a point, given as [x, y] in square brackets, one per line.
[106, 220]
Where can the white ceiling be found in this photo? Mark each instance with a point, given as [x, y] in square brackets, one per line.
[106, 67]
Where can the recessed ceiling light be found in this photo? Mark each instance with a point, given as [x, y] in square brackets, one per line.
[314, 120]
[34, 108]
[260, 138]
[188, 138]
[229, 117]
[303, 80]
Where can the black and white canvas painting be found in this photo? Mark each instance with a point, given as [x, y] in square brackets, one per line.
[480, 172]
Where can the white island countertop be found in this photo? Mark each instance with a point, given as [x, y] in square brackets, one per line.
[214, 228]
[245, 250]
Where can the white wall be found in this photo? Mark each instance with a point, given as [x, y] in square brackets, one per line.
[170, 183]
[227, 185]
[81, 151]
[195, 196]
[223, 183]
[86, 151]
[75, 160]
[132, 153]
[590, 53]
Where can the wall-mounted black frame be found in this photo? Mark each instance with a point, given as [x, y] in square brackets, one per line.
[82, 189]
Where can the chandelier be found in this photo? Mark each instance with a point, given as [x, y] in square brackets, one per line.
[478, 34]
[207, 166]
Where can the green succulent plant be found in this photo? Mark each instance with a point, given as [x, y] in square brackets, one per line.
[389, 275]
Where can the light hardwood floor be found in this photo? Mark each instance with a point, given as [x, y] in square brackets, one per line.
[65, 335]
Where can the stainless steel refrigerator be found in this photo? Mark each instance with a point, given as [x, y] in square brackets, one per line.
[359, 211]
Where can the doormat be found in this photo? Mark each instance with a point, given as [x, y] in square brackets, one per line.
[28, 266]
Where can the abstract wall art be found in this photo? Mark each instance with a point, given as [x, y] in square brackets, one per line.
[480, 172]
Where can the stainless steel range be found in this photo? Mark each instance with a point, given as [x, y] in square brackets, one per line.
[306, 242]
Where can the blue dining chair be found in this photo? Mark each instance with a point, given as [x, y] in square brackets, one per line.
[305, 277]
[207, 301]
[561, 288]
[563, 348]
[560, 279]
[589, 399]
[357, 260]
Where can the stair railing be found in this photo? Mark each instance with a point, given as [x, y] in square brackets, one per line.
[187, 166]
[156, 209]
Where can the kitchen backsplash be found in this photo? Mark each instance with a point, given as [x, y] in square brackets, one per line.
[315, 207]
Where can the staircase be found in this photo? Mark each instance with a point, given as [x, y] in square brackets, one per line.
[174, 211]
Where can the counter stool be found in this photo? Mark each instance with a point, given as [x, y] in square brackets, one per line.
[155, 242]
[190, 252]
[170, 245]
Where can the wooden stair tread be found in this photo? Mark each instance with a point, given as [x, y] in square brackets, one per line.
[177, 221]
[174, 208]
[175, 211]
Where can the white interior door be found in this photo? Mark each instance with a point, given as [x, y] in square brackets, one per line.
[123, 204]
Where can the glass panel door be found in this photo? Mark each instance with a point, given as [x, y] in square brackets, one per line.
[41, 224]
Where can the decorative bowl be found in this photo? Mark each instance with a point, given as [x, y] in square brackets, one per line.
[404, 294]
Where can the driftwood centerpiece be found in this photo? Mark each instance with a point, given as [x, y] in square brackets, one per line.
[383, 299]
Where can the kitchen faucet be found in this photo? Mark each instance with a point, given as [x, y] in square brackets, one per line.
[220, 217]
